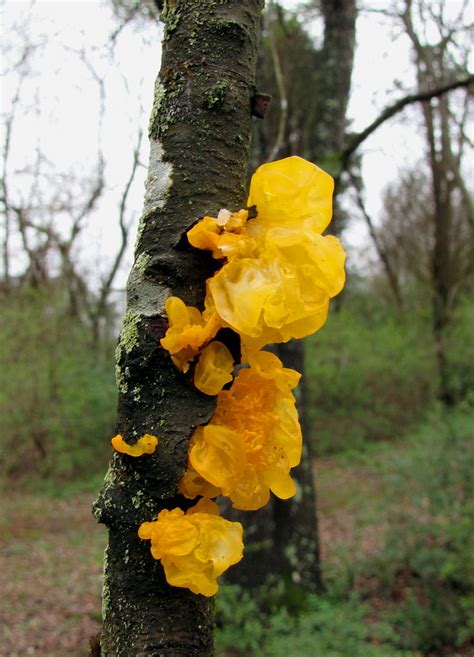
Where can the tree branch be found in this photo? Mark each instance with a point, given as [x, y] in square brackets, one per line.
[124, 231]
[396, 107]
[379, 246]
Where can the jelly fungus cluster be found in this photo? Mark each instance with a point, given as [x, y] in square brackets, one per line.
[277, 276]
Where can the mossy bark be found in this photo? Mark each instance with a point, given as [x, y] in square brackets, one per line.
[199, 134]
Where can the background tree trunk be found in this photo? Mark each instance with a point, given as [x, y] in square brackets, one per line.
[283, 540]
[199, 134]
[435, 66]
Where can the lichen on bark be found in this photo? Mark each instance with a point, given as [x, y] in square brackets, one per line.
[199, 132]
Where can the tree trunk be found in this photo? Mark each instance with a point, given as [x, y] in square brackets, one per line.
[199, 133]
[283, 540]
[296, 523]
[334, 73]
[441, 250]
[434, 66]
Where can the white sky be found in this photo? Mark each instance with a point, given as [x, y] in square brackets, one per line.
[60, 104]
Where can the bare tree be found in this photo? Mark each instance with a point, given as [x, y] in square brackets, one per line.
[47, 210]
[438, 58]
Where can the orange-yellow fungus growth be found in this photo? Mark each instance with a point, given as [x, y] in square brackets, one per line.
[280, 271]
[277, 276]
[252, 440]
[144, 445]
[193, 485]
[188, 331]
[213, 369]
[194, 547]
[224, 235]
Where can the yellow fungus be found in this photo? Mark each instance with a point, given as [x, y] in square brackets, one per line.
[280, 272]
[144, 445]
[291, 193]
[277, 277]
[188, 331]
[194, 547]
[253, 439]
[192, 484]
[224, 235]
[213, 369]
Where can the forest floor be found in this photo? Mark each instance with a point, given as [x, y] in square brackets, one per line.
[50, 575]
[51, 558]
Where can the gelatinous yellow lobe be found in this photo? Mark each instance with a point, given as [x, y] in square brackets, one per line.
[252, 440]
[144, 445]
[194, 547]
[224, 235]
[188, 331]
[291, 192]
[277, 285]
[214, 368]
[192, 484]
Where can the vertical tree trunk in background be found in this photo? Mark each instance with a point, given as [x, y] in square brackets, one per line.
[434, 67]
[440, 264]
[333, 85]
[283, 539]
[199, 133]
[297, 520]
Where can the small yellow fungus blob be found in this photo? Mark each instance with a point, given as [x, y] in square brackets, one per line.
[194, 547]
[224, 235]
[213, 369]
[144, 445]
[252, 440]
[188, 331]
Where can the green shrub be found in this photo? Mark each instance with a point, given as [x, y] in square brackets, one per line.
[370, 375]
[57, 397]
[426, 562]
[326, 628]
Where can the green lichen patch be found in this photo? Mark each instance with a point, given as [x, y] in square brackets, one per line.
[129, 337]
[171, 17]
[105, 586]
[158, 98]
[142, 262]
[215, 97]
[136, 393]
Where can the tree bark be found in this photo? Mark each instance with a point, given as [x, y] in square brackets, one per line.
[334, 74]
[199, 133]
